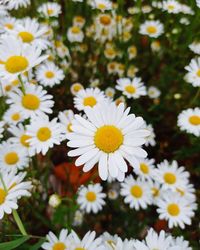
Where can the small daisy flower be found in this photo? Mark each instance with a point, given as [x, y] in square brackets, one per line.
[13, 116]
[35, 101]
[75, 34]
[136, 192]
[89, 97]
[8, 23]
[150, 139]
[156, 46]
[13, 156]
[189, 121]
[79, 21]
[65, 118]
[193, 75]
[12, 189]
[109, 241]
[132, 70]
[110, 92]
[152, 28]
[75, 88]
[175, 209]
[157, 191]
[113, 194]
[132, 52]
[131, 88]
[91, 198]
[17, 57]
[78, 218]
[16, 4]
[49, 74]
[146, 169]
[101, 5]
[57, 243]
[171, 6]
[44, 134]
[54, 200]
[50, 9]
[109, 137]
[1, 129]
[153, 92]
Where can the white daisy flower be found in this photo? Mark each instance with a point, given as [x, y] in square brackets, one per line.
[136, 192]
[87, 243]
[90, 97]
[152, 28]
[8, 23]
[12, 156]
[17, 57]
[16, 4]
[188, 192]
[91, 198]
[109, 241]
[75, 88]
[157, 191]
[78, 218]
[79, 21]
[49, 74]
[13, 116]
[172, 6]
[193, 75]
[44, 134]
[1, 128]
[170, 175]
[57, 243]
[175, 209]
[3, 11]
[180, 243]
[12, 189]
[131, 88]
[109, 137]
[65, 118]
[101, 5]
[195, 47]
[35, 101]
[155, 46]
[189, 120]
[132, 52]
[145, 169]
[150, 139]
[50, 9]
[75, 34]
[153, 92]
[110, 92]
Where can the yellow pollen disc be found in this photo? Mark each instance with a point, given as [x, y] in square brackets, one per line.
[24, 139]
[59, 246]
[198, 73]
[50, 12]
[15, 82]
[30, 101]
[2, 196]
[91, 196]
[69, 127]
[79, 19]
[77, 87]
[151, 29]
[44, 134]
[79, 248]
[105, 20]
[169, 178]
[15, 117]
[101, 6]
[26, 37]
[136, 191]
[9, 26]
[173, 209]
[108, 138]
[155, 191]
[130, 89]
[194, 120]
[144, 168]
[75, 29]
[8, 88]
[16, 64]
[11, 158]
[89, 101]
[1, 62]
[170, 7]
[49, 74]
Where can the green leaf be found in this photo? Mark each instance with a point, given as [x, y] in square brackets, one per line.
[37, 245]
[13, 244]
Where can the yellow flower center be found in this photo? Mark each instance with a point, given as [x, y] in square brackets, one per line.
[136, 191]
[59, 246]
[2, 195]
[26, 37]
[101, 6]
[30, 101]
[169, 178]
[9, 26]
[173, 209]
[79, 248]
[198, 73]
[75, 29]
[170, 7]
[130, 89]
[194, 120]
[69, 127]
[49, 74]
[16, 64]
[11, 158]
[15, 82]
[24, 139]
[108, 138]
[77, 87]
[50, 12]
[155, 191]
[8, 88]
[105, 20]
[15, 117]
[44, 134]
[89, 101]
[151, 29]
[144, 168]
[91, 196]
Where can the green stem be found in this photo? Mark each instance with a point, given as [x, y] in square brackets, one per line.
[19, 223]
[3, 183]
[22, 84]
[195, 97]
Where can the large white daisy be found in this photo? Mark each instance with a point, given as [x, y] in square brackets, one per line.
[152, 28]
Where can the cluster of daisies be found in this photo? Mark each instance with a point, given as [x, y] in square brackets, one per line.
[106, 241]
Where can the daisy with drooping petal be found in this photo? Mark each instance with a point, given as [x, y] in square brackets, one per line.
[89, 97]
[189, 121]
[35, 101]
[17, 57]
[136, 192]
[175, 209]
[1, 129]
[15, 189]
[44, 134]
[91, 198]
[109, 137]
[12, 156]
[75, 34]
[193, 75]
[57, 243]
[146, 169]
[152, 28]
[101, 5]
[13, 116]
[16, 4]
[131, 88]
[170, 175]
[50, 9]
[65, 118]
[49, 74]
